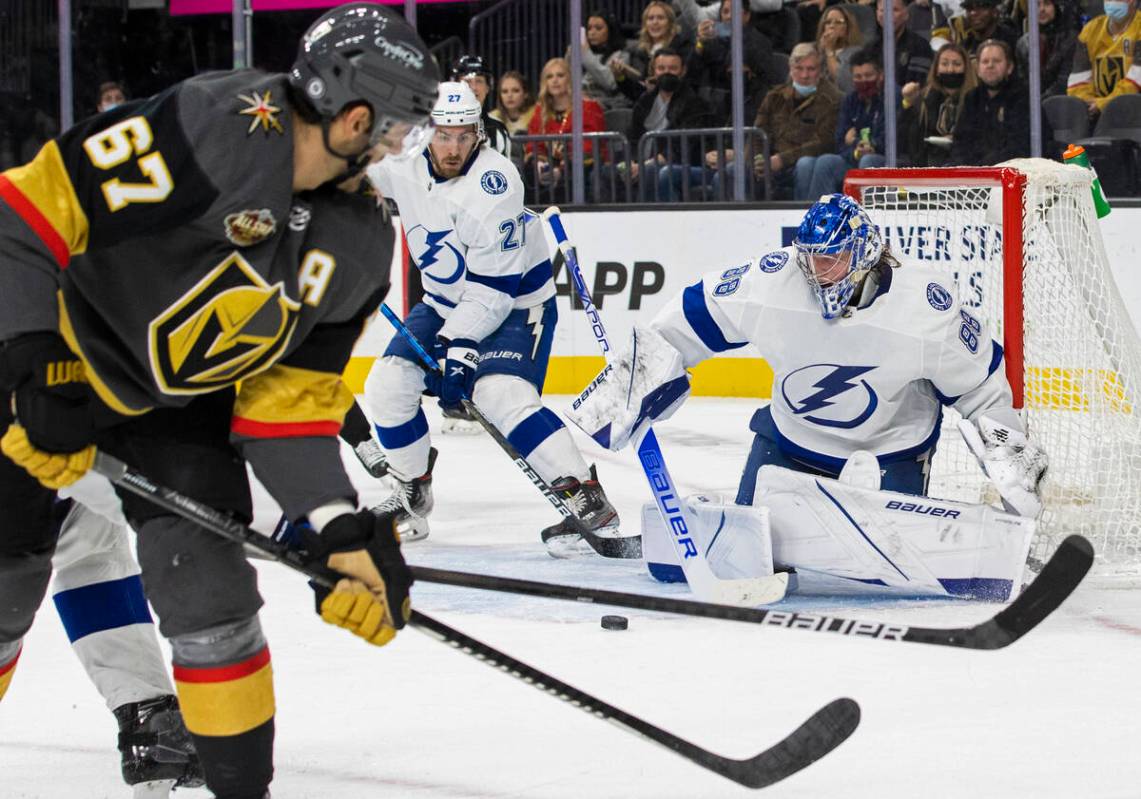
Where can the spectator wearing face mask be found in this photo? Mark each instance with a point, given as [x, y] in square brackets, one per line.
[859, 139]
[1104, 60]
[110, 95]
[994, 124]
[930, 114]
[1057, 41]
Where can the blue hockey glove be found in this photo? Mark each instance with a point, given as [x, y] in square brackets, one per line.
[458, 369]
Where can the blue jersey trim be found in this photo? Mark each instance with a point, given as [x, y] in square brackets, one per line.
[534, 430]
[102, 606]
[535, 278]
[403, 434]
[859, 529]
[442, 300]
[505, 284]
[436, 176]
[996, 355]
[827, 463]
[699, 318]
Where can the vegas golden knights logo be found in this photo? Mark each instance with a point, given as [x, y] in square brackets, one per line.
[231, 325]
[1107, 72]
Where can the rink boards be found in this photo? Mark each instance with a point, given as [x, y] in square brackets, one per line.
[635, 260]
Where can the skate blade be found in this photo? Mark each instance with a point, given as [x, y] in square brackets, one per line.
[460, 427]
[153, 789]
[566, 547]
[412, 530]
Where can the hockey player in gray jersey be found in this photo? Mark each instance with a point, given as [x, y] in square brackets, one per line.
[489, 309]
[181, 285]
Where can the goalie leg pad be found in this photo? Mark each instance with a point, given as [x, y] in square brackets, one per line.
[734, 538]
[644, 383]
[841, 538]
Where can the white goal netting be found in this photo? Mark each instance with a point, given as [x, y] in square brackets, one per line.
[1077, 357]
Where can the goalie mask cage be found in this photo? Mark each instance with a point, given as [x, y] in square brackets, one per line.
[1022, 244]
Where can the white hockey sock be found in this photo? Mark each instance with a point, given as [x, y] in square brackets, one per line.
[392, 392]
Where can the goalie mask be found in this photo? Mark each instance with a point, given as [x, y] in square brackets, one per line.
[360, 52]
[836, 246]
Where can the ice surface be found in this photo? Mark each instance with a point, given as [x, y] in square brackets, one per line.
[1057, 714]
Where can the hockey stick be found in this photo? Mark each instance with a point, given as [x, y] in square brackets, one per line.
[626, 547]
[702, 581]
[824, 730]
[1057, 580]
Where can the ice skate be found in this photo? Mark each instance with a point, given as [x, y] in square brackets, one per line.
[372, 458]
[460, 422]
[158, 753]
[589, 503]
[412, 502]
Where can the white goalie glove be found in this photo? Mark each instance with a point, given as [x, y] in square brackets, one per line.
[644, 383]
[1013, 462]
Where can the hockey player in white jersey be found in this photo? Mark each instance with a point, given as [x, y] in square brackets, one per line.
[866, 355]
[489, 308]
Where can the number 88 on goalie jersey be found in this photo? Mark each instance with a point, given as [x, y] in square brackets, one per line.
[875, 378]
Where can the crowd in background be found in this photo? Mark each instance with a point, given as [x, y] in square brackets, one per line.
[814, 88]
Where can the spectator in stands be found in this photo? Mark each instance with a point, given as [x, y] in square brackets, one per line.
[111, 94]
[1057, 40]
[550, 160]
[981, 20]
[994, 124]
[838, 37]
[515, 105]
[471, 70]
[602, 45]
[709, 65]
[660, 28]
[800, 119]
[912, 52]
[930, 113]
[859, 138]
[670, 104]
[1105, 63]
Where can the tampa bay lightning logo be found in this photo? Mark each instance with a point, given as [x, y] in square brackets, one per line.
[773, 262]
[431, 250]
[938, 296]
[493, 182]
[830, 395]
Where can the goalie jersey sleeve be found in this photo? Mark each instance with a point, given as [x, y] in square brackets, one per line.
[875, 379]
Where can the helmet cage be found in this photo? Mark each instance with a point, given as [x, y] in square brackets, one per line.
[836, 225]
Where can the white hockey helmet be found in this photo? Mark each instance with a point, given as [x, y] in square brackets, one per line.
[456, 106]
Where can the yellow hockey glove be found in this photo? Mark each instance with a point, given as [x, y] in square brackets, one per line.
[54, 470]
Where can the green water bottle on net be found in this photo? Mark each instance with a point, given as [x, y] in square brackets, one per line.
[1076, 154]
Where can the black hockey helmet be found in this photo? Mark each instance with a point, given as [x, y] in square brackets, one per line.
[363, 52]
[470, 65]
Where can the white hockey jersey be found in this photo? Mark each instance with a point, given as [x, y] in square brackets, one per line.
[480, 254]
[875, 379]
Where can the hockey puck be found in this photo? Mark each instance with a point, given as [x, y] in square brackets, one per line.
[615, 622]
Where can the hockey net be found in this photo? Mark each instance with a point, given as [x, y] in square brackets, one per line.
[1022, 243]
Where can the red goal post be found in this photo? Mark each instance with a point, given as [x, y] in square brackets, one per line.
[1022, 245]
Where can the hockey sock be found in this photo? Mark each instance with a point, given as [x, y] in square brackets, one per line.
[9, 654]
[356, 427]
[229, 712]
[545, 442]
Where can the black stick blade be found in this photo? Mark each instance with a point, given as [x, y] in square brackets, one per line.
[1057, 580]
[824, 730]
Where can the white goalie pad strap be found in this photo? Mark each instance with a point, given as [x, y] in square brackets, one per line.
[846, 539]
[734, 539]
[644, 383]
[1012, 461]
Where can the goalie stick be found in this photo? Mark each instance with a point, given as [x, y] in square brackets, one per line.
[1057, 580]
[702, 581]
[624, 547]
[822, 732]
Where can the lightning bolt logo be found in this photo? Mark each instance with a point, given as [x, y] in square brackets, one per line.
[434, 244]
[837, 381]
